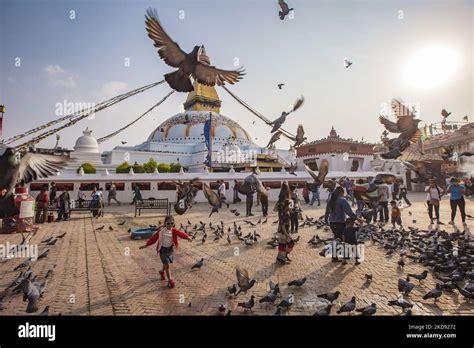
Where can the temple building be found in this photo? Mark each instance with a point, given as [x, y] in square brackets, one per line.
[180, 139]
[342, 154]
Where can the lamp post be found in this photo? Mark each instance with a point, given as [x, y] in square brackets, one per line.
[2, 111]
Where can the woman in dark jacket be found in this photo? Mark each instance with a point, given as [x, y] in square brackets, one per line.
[336, 211]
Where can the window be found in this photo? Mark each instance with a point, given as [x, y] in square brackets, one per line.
[166, 186]
[61, 186]
[88, 186]
[272, 184]
[143, 186]
[36, 186]
[120, 186]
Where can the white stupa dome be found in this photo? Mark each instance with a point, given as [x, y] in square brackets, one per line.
[188, 127]
[86, 143]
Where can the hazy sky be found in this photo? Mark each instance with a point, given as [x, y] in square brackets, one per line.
[82, 60]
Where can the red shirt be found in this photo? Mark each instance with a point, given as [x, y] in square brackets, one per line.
[176, 233]
[42, 199]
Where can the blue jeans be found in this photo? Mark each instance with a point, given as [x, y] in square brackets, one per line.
[360, 207]
[315, 197]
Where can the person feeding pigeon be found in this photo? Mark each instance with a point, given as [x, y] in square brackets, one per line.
[349, 237]
[166, 238]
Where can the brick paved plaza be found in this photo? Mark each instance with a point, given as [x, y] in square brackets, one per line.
[104, 272]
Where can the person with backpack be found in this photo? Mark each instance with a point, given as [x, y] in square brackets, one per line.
[433, 198]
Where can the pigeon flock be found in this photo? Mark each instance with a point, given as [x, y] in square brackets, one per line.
[31, 285]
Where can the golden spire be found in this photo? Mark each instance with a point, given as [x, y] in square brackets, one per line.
[203, 98]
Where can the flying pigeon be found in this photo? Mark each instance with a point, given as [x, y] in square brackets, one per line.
[212, 198]
[444, 113]
[280, 120]
[285, 10]
[300, 138]
[280, 85]
[22, 171]
[188, 64]
[323, 171]
[123, 142]
[347, 63]
[275, 137]
[243, 280]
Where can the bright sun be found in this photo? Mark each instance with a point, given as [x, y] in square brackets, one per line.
[430, 67]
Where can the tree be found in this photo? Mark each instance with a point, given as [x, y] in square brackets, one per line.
[164, 168]
[87, 167]
[150, 166]
[175, 167]
[123, 168]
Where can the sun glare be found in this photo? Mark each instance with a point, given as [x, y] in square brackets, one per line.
[430, 67]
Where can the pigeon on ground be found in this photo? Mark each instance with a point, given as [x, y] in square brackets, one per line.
[232, 289]
[287, 302]
[368, 277]
[297, 282]
[249, 304]
[434, 293]
[331, 296]
[52, 242]
[400, 302]
[466, 294]
[188, 64]
[369, 310]
[270, 297]
[324, 312]
[198, 264]
[405, 286]
[23, 275]
[100, 228]
[420, 276]
[348, 306]
[111, 228]
[285, 10]
[221, 308]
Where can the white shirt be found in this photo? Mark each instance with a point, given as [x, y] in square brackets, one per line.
[81, 195]
[432, 193]
[383, 192]
[166, 238]
[221, 189]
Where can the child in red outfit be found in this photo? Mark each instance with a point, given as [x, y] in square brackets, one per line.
[166, 238]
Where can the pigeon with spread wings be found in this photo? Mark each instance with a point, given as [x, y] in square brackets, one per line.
[406, 125]
[280, 120]
[212, 198]
[243, 280]
[25, 170]
[323, 171]
[300, 138]
[285, 9]
[188, 64]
